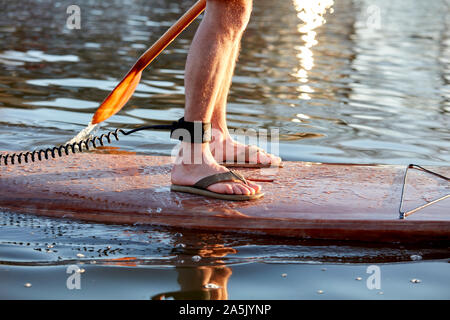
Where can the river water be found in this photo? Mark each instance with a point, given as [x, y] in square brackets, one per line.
[345, 81]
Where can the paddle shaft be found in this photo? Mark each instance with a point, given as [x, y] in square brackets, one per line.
[125, 89]
[169, 35]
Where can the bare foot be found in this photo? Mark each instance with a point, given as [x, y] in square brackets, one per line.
[225, 149]
[186, 173]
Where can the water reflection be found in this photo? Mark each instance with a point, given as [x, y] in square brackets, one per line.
[204, 282]
[128, 258]
[311, 13]
[356, 88]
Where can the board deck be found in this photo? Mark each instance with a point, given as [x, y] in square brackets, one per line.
[303, 199]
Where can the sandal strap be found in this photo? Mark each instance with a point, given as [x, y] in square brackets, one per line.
[219, 177]
[193, 132]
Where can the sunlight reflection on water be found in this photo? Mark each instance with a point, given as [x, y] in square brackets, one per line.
[363, 75]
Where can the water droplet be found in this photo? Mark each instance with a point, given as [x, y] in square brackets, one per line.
[27, 285]
[180, 245]
[358, 278]
[416, 280]
[320, 291]
[416, 257]
[196, 258]
[284, 275]
[80, 255]
[81, 271]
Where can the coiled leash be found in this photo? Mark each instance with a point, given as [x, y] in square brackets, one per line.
[179, 130]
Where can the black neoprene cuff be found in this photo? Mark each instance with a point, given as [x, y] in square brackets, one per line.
[193, 132]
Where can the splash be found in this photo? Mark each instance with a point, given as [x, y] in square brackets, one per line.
[84, 134]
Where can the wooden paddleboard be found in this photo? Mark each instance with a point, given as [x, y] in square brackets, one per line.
[303, 199]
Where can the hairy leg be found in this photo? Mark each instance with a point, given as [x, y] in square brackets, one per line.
[223, 146]
[218, 120]
[206, 69]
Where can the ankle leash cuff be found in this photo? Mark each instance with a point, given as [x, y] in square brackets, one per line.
[193, 132]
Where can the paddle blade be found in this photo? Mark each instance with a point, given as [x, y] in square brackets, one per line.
[118, 97]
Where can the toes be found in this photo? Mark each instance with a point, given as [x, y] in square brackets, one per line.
[225, 188]
[268, 158]
[249, 153]
[246, 189]
[254, 187]
[229, 188]
[264, 158]
[237, 189]
[276, 159]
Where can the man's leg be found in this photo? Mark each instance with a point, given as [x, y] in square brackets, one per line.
[223, 146]
[206, 68]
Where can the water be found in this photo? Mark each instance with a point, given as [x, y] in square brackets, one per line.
[123, 262]
[354, 81]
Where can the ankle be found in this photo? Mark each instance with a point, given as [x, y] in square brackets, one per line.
[192, 154]
[220, 135]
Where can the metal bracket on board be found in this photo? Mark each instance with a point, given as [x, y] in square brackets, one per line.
[404, 214]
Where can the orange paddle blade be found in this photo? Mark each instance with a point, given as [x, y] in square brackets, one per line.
[117, 98]
[125, 89]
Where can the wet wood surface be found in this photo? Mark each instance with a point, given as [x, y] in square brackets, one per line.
[303, 199]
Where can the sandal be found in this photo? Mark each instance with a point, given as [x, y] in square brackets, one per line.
[200, 187]
[198, 132]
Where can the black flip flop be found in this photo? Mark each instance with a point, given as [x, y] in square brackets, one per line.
[200, 187]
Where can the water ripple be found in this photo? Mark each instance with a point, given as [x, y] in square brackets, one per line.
[340, 86]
